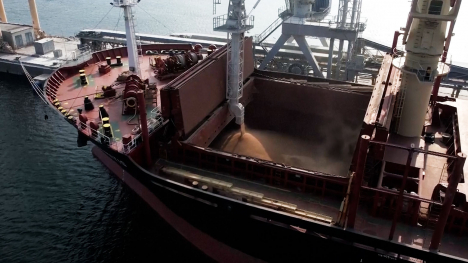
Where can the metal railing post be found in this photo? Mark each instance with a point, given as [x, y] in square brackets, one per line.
[357, 181]
[144, 127]
[448, 201]
[400, 195]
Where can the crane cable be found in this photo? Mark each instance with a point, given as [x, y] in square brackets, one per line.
[103, 17]
[159, 22]
[118, 20]
[255, 6]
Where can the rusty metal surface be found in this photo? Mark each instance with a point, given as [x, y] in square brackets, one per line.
[254, 162]
[388, 103]
[204, 135]
[211, 128]
[379, 91]
[200, 90]
[302, 126]
[357, 180]
[289, 76]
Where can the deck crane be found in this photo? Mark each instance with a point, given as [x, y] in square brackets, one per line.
[235, 24]
[132, 48]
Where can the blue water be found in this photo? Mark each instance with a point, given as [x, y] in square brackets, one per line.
[59, 204]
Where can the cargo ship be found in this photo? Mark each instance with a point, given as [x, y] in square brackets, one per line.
[251, 165]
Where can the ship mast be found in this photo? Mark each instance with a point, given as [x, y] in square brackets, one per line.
[425, 37]
[235, 24]
[132, 48]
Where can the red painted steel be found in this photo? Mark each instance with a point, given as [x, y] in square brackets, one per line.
[395, 40]
[144, 126]
[400, 195]
[357, 181]
[207, 244]
[254, 169]
[448, 201]
[208, 77]
[212, 127]
[372, 113]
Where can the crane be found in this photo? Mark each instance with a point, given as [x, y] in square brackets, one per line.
[235, 24]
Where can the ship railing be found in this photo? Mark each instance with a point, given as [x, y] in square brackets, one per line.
[154, 122]
[268, 31]
[223, 21]
[424, 74]
[329, 21]
[285, 10]
[81, 55]
[100, 137]
[128, 147]
[357, 26]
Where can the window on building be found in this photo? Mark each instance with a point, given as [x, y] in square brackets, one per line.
[29, 38]
[436, 7]
[19, 41]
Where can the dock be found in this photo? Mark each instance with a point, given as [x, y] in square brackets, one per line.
[80, 47]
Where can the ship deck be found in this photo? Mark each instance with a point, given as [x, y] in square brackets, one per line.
[329, 207]
[71, 94]
[281, 95]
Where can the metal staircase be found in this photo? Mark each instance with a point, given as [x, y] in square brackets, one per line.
[269, 30]
[215, 2]
[400, 104]
[283, 14]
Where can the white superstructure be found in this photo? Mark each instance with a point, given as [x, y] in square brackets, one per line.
[425, 39]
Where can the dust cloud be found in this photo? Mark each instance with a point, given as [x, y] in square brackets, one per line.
[318, 141]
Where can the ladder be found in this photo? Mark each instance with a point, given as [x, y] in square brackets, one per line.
[270, 29]
[230, 92]
[400, 103]
[215, 2]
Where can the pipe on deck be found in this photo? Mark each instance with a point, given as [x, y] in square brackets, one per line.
[358, 177]
[144, 127]
[34, 15]
[3, 17]
[448, 201]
